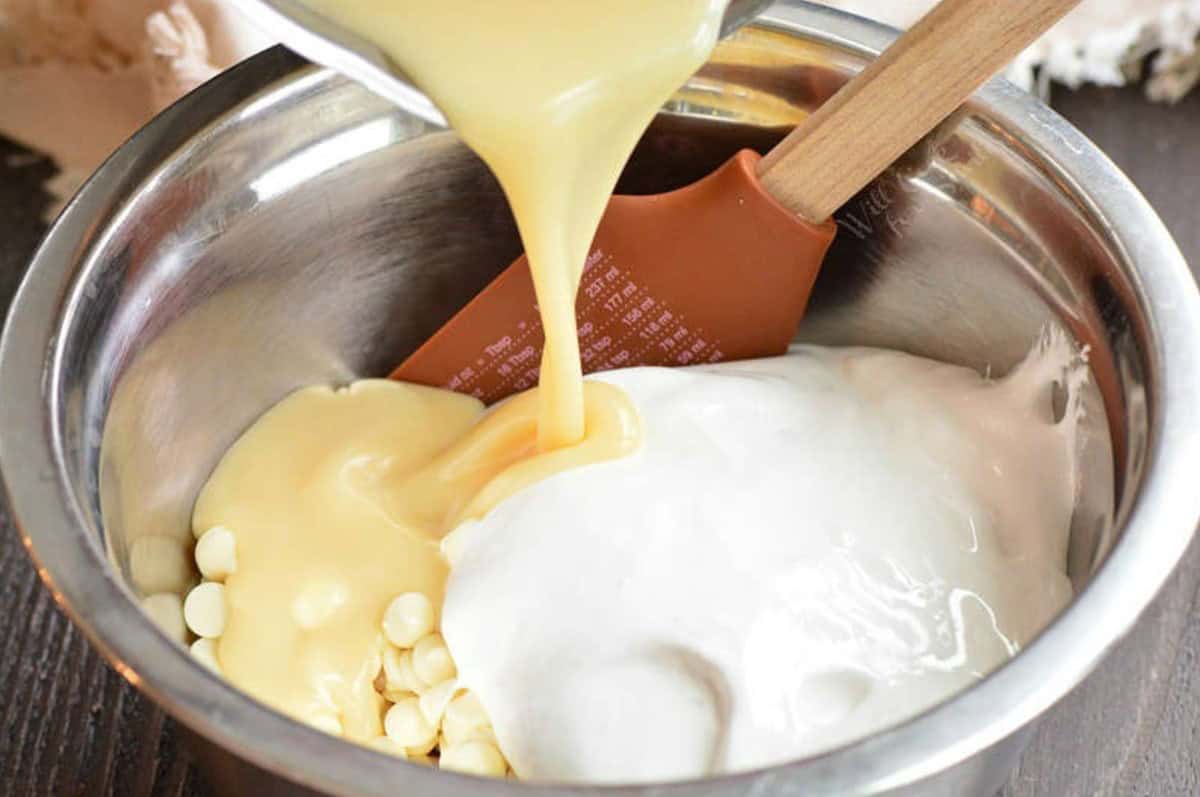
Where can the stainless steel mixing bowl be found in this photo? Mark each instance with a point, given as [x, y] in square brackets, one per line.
[281, 227]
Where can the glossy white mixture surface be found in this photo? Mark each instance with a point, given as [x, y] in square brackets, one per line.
[807, 549]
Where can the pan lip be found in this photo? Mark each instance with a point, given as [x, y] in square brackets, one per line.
[63, 541]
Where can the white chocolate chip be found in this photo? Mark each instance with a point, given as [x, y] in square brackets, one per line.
[431, 660]
[205, 651]
[216, 553]
[423, 749]
[385, 744]
[434, 700]
[396, 695]
[474, 758]
[406, 726]
[325, 722]
[204, 610]
[318, 602]
[482, 733]
[408, 618]
[465, 720]
[166, 610]
[398, 673]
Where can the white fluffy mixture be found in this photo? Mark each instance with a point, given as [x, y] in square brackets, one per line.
[806, 550]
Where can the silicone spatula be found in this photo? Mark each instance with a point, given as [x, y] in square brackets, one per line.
[722, 269]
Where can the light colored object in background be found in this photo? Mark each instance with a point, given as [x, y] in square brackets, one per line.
[807, 549]
[78, 77]
[1101, 41]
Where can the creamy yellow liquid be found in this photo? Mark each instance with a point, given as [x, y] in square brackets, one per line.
[553, 96]
[338, 499]
[313, 550]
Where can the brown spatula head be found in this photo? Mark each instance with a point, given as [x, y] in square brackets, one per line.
[715, 271]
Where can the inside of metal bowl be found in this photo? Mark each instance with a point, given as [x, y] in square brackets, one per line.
[313, 234]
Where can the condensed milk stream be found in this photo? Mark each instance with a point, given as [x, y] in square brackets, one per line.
[553, 97]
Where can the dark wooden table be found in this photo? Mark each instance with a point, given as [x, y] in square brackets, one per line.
[71, 726]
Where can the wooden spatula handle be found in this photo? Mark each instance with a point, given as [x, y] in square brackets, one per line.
[898, 98]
